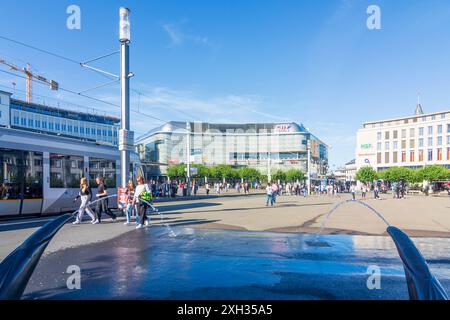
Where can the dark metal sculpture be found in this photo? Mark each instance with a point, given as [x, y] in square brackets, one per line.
[16, 269]
[422, 285]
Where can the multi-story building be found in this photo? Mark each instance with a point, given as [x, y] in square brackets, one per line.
[265, 146]
[50, 120]
[347, 172]
[415, 141]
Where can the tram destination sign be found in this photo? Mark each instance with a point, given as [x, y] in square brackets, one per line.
[126, 140]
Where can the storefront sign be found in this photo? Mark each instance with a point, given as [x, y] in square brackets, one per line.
[122, 198]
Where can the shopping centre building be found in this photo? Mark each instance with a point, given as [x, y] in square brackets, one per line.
[415, 141]
[265, 146]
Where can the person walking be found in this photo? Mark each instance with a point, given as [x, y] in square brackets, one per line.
[130, 209]
[102, 204]
[85, 194]
[207, 188]
[376, 191]
[363, 191]
[269, 193]
[353, 191]
[274, 192]
[142, 196]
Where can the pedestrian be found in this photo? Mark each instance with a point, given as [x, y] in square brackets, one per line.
[102, 203]
[274, 192]
[269, 193]
[207, 188]
[376, 191]
[142, 196]
[85, 194]
[363, 191]
[353, 191]
[130, 208]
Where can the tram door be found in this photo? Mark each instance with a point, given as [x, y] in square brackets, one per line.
[21, 176]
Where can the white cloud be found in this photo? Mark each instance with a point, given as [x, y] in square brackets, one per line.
[178, 37]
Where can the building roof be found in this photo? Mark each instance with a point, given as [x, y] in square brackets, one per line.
[59, 112]
[409, 117]
[180, 127]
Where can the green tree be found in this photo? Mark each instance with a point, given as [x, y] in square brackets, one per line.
[395, 174]
[248, 174]
[294, 175]
[366, 174]
[279, 175]
[178, 170]
[432, 173]
[222, 171]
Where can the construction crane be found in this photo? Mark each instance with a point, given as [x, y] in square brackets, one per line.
[30, 77]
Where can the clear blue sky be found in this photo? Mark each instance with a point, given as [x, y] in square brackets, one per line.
[312, 62]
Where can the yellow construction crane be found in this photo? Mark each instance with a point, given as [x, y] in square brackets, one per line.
[30, 77]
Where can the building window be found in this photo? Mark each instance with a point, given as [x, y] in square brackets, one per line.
[424, 119]
[379, 157]
[439, 154]
[30, 123]
[69, 127]
[411, 156]
[386, 157]
[448, 153]
[421, 132]
[430, 155]
[395, 134]
[403, 133]
[386, 135]
[379, 136]
[412, 132]
[403, 156]
[439, 129]
[379, 146]
[430, 141]
[75, 129]
[430, 130]
[81, 130]
[420, 155]
[50, 125]
[386, 147]
[395, 146]
[394, 157]
[442, 115]
[403, 144]
[44, 124]
[439, 141]
[420, 142]
[448, 128]
[433, 117]
[412, 143]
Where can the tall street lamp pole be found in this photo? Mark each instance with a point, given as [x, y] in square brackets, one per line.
[188, 158]
[308, 164]
[126, 137]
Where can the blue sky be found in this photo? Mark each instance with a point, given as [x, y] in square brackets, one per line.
[312, 62]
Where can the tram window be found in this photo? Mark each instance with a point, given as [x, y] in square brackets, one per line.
[104, 168]
[11, 162]
[33, 175]
[65, 171]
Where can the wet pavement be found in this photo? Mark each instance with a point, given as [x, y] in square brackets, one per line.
[186, 263]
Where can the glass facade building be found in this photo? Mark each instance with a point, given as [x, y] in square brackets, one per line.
[45, 119]
[259, 145]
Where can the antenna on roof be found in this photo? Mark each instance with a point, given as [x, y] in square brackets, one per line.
[419, 110]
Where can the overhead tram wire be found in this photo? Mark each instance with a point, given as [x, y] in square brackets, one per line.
[81, 64]
[92, 98]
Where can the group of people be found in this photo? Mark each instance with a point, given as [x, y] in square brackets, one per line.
[138, 200]
[6, 191]
[365, 189]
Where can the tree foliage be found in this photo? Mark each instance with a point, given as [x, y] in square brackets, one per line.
[366, 174]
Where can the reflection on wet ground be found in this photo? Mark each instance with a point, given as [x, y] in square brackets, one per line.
[226, 264]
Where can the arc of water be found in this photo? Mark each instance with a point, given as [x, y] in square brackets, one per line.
[327, 217]
[171, 232]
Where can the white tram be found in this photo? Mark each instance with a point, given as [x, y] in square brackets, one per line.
[40, 173]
